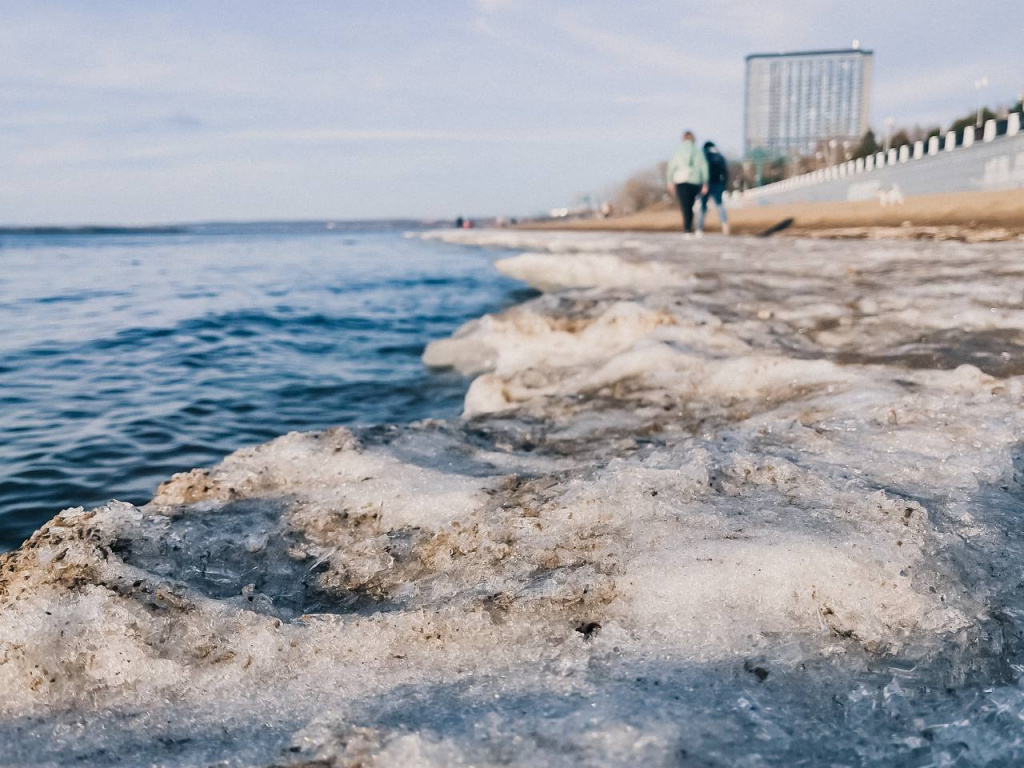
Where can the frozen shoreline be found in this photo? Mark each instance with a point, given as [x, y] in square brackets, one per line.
[736, 502]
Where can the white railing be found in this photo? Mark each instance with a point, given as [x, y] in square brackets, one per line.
[907, 153]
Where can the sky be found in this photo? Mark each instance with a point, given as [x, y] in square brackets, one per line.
[197, 110]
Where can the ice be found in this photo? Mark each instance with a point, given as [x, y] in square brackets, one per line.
[547, 272]
[521, 339]
[723, 502]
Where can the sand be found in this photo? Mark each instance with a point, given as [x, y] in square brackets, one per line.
[969, 216]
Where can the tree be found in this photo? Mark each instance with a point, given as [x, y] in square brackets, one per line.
[642, 190]
[774, 169]
[868, 145]
[900, 139]
[969, 121]
[741, 174]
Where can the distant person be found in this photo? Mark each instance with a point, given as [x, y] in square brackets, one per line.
[458, 223]
[687, 176]
[718, 180]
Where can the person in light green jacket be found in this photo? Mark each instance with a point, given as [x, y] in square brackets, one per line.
[687, 177]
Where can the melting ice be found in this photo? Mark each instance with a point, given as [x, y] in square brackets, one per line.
[732, 502]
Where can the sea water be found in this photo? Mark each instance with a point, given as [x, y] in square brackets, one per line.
[128, 356]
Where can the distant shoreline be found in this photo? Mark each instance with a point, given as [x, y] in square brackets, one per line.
[970, 216]
[221, 227]
[93, 230]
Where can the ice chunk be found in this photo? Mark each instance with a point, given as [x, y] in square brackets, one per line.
[547, 272]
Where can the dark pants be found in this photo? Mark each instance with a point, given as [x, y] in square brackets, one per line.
[687, 194]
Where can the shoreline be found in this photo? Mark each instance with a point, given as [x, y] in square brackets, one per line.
[727, 499]
[968, 217]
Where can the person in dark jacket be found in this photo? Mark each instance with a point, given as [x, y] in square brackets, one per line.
[718, 180]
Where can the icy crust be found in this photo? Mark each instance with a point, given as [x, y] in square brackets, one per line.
[589, 270]
[725, 521]
[525, 337]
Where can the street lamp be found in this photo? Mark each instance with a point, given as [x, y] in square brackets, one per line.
[889, 123]
[978, 85]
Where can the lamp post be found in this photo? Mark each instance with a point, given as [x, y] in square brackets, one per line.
[889, 122]
[978, 86]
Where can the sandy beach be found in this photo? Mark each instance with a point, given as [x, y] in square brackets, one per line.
[972, 216]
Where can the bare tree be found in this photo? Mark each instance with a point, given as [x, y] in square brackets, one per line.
[642, 190]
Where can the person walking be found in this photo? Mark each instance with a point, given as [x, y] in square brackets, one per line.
[687, 176]
[718, 180]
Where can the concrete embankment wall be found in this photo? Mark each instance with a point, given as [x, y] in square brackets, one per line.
[989, 161]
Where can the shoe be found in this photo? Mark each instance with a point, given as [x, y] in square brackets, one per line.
[725, 229]
[687, 235]
[699, 233]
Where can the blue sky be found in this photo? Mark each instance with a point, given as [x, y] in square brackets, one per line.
[155, 111]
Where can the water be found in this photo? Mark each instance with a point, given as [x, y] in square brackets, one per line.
[126, 357]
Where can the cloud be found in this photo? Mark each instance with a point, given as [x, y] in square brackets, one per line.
[762, 25]
[404, 136]
[644, 54]
[67, 154]
[940, 94]
[184, 121]
[333, 135]
[484, 27]
[496, 6]
[484, 23]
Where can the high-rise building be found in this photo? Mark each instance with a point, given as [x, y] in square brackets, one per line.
[796, 100]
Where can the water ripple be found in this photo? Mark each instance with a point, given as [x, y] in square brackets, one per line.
[130, 359]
